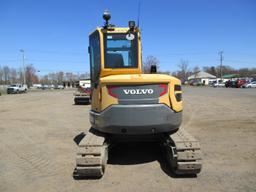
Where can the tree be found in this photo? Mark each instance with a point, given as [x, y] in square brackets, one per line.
[211, 70]
[84, 76]
[13, 75]
[52, 78]
[45, 80]
[60, 77]
[244, 72]
[6, 73]
[20, 75]
[150, 60]
[183, 72]
[1, 75]
[69, 76]
[225, 70]
[31, 76]
[164, 72]
[196, 69]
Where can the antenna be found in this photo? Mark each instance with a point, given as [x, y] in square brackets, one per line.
[106, 17]
[138, 19]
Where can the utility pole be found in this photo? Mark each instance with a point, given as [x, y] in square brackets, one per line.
[23, 61]
[221, 59]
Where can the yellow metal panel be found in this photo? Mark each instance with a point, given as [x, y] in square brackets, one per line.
[176, 106]
[169, 99]
[115, 30]
[165, 99]
[139, 53]
[108, 99]
[138, 79]
[96, 97]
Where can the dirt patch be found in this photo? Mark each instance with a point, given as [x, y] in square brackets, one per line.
[37, 149]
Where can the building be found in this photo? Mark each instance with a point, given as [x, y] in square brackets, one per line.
[202, 77]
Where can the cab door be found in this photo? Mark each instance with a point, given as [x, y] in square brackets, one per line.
[95, 67]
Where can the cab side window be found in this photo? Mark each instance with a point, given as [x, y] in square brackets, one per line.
[94, 50]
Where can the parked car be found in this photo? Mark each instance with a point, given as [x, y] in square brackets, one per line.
[195, 83]
[219, 84]
[17, 88]
[60, 87]
[244, 85]
[231, 83]
[45, 87]
[37, 86]
[240, 82]
[249, 85]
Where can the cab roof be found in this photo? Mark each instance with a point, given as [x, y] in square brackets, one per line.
[114, 30]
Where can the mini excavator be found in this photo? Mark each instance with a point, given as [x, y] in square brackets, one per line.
[129, 105]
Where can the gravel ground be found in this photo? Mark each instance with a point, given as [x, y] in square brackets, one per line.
[37, 151]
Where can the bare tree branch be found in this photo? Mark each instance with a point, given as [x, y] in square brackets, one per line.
[150, 60]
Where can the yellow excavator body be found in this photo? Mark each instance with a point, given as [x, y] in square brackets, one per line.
[127, 104]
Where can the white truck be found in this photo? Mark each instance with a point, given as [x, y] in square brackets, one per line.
[17, 88]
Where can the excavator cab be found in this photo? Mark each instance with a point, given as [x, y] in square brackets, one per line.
[114, 51]
[127, 103]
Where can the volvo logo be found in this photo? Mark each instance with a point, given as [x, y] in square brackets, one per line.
[138, 91]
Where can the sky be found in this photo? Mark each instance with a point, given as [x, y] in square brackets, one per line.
[54, 33]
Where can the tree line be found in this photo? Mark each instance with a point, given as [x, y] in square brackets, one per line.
[184, 70]
[9, 75]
